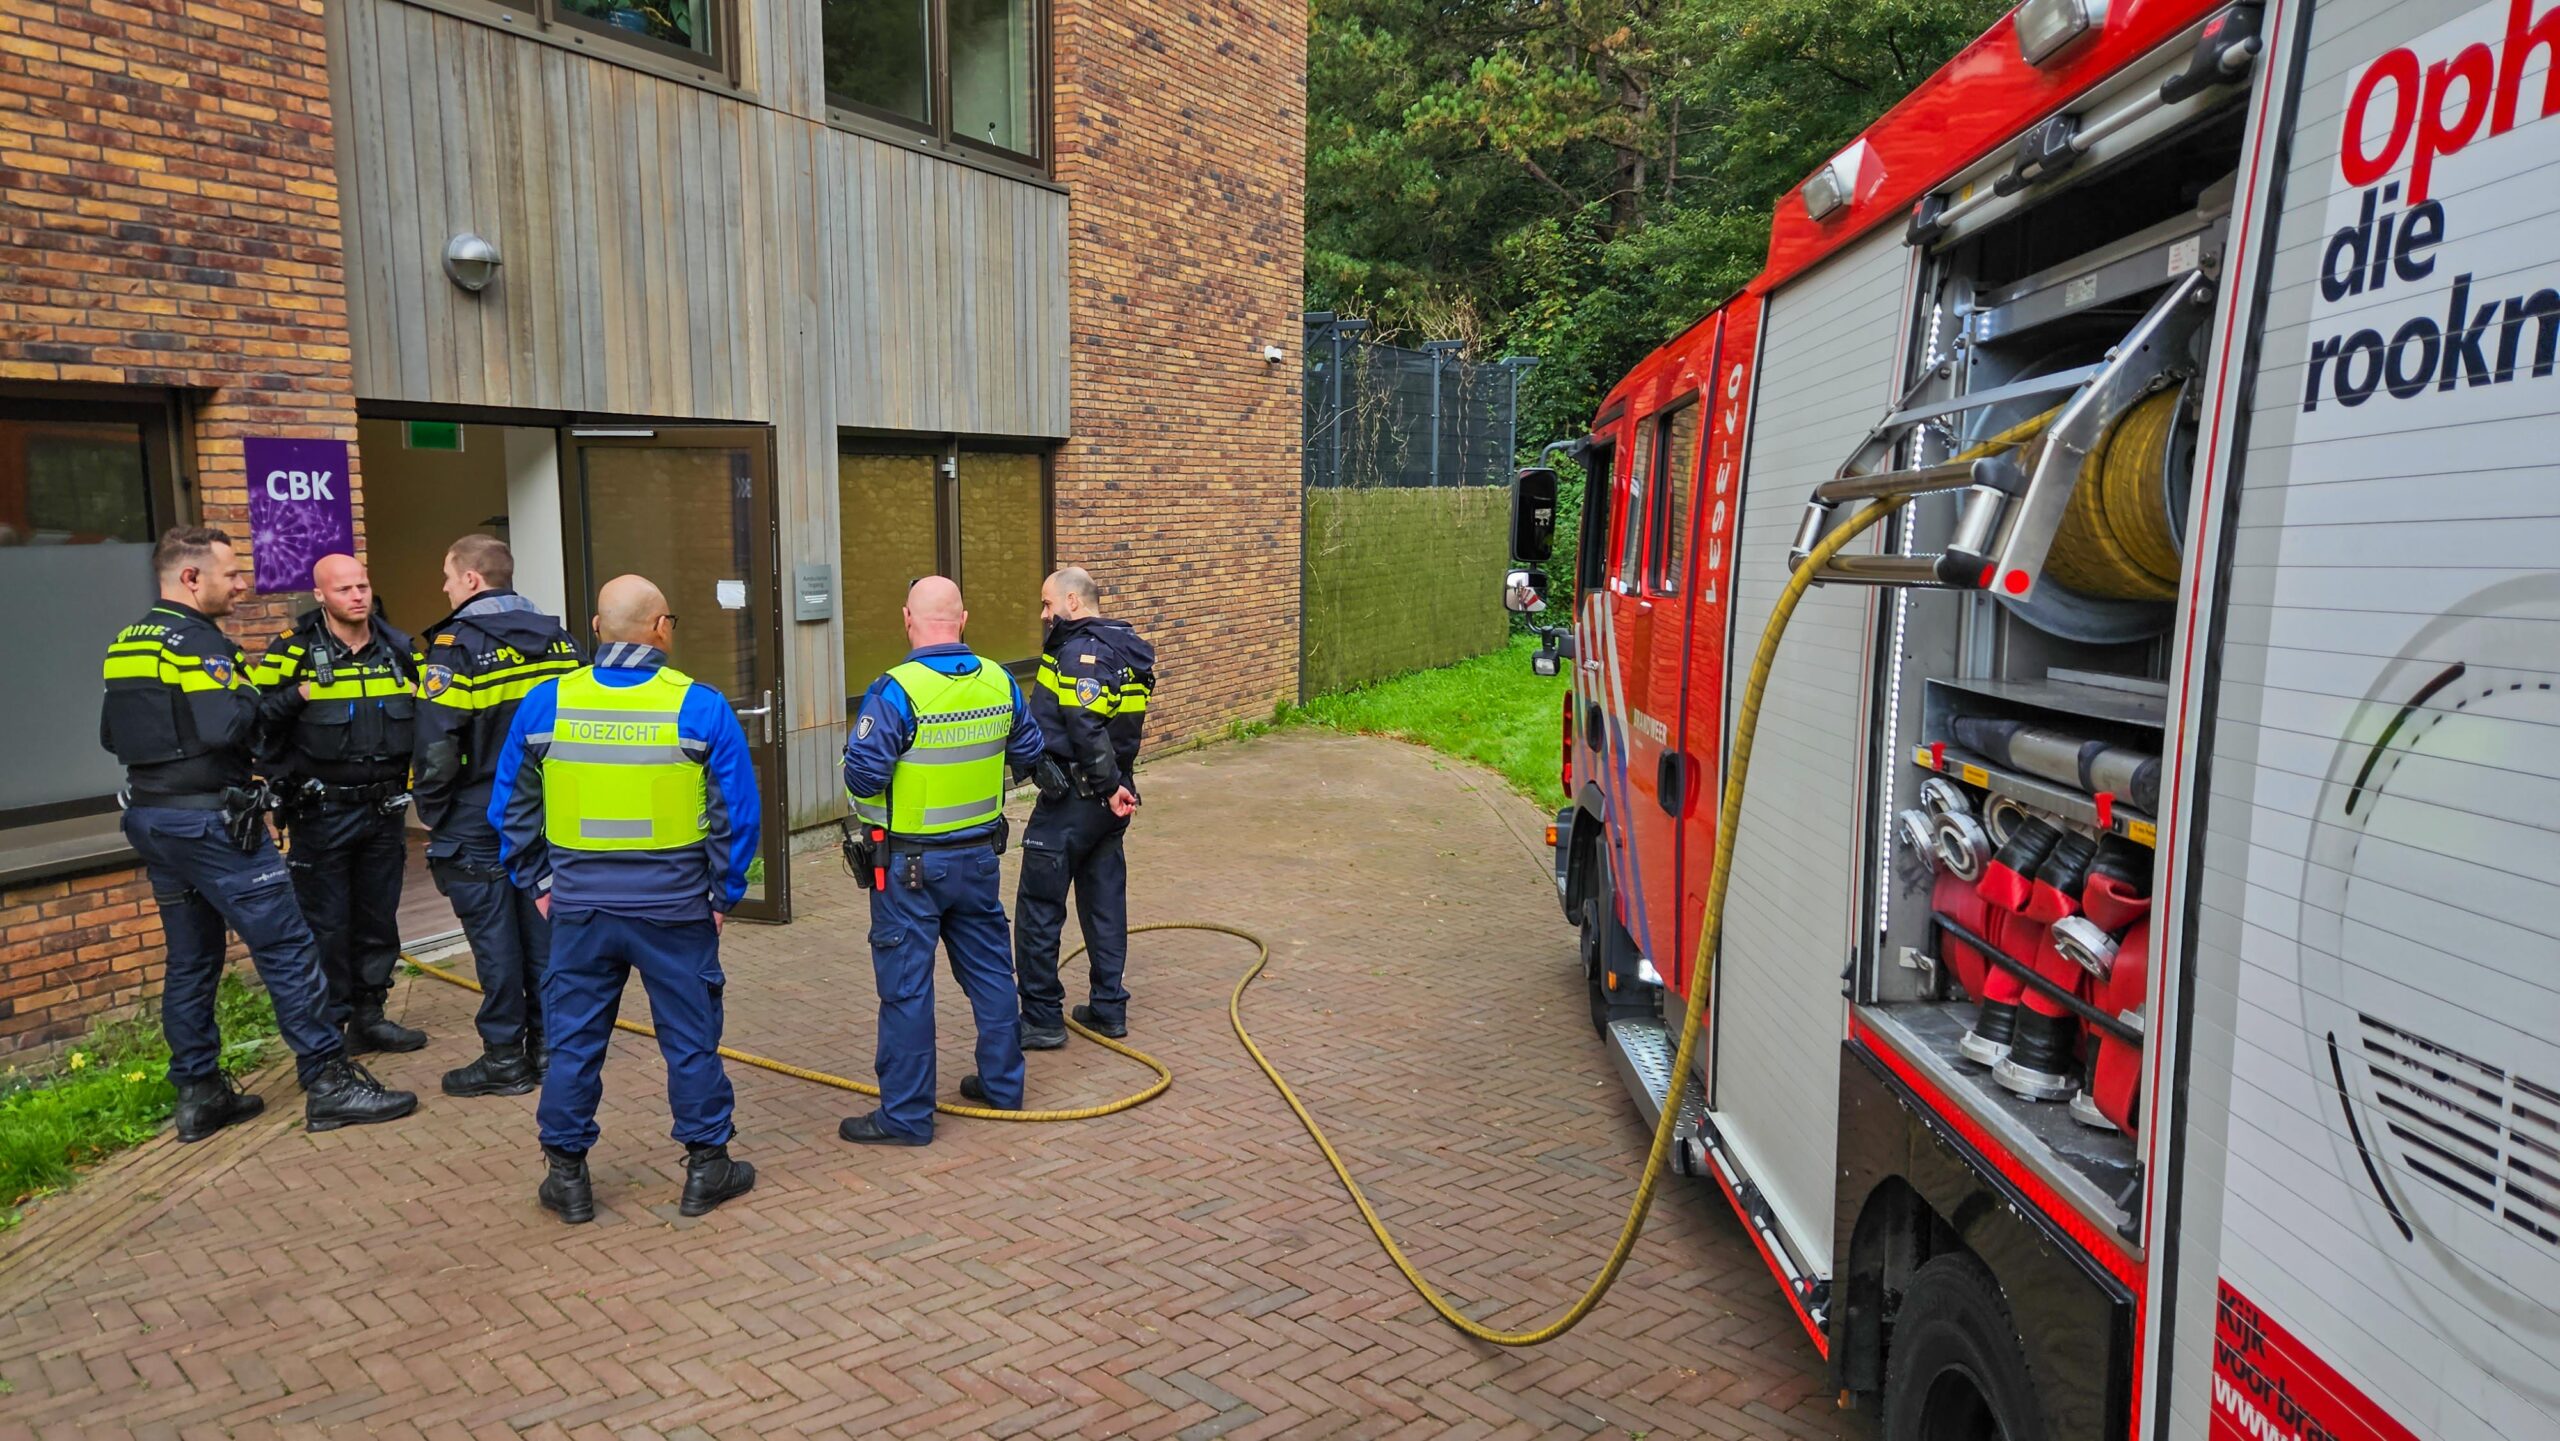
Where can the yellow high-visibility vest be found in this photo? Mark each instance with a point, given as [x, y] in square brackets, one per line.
[617, 777]
[952, 776]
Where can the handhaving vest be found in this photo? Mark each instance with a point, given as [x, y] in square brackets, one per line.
[952, 776]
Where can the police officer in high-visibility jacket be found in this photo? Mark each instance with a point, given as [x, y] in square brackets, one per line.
[180, 712]
[627, 806]
[339, 697]
[1091, 701]
[926, 765]
[481, 662]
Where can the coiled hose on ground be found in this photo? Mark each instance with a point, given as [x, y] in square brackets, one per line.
[1729, 822]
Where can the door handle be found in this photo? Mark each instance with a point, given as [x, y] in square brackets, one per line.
[766, 711]
[1671, 780]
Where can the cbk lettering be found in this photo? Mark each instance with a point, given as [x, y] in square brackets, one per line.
[300, 484]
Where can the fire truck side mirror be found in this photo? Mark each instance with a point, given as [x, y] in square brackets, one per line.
[1525, 591]
[1533, 516]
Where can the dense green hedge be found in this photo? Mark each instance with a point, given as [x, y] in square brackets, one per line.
[1400, 580]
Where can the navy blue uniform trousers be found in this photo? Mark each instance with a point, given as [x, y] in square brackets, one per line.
[593, 954]
[203, 884]
[510, 941]
[348, 864]
[1072, 841]
[959, 907]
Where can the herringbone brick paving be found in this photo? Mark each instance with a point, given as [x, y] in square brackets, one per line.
[1187, 1270]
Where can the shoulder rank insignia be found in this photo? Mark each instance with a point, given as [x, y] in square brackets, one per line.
[434, 681]
[1088, 690]
[447, 639]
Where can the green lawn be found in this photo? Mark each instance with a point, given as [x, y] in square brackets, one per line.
[1491, 710]
[107, 1093]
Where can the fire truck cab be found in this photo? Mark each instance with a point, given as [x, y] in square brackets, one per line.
[2137, 1010]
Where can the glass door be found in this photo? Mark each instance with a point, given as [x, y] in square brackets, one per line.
[691, 508]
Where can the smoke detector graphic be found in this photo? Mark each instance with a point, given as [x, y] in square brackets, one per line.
[2430, 965]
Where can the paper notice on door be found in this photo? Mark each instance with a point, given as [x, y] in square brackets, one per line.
[733, 594]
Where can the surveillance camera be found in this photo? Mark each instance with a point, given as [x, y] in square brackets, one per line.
[1274, 354]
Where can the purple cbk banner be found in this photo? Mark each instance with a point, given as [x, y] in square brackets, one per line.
[300, 508]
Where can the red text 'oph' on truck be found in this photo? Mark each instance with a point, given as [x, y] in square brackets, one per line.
[2138, 1005]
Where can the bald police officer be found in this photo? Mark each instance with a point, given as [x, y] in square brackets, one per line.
[181, 712]
[1090, 698]
[627, 808]
[339, 698]
[926, 767]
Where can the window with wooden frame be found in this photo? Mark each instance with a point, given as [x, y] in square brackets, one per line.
[690, 40]
[978, 511]
[970, 74]
[1675, 479]
[86, 487]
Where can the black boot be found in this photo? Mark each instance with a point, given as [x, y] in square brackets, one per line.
[710, 1178]
[975, 1091]
[501, 1071]
[1115, 1028]
[344, 1093]
[1043, 1038]
[565, 1191]
[537, 1054]
[369, 1030]
[205, 1107]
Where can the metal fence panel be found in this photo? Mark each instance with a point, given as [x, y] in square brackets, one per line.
[1387, 415]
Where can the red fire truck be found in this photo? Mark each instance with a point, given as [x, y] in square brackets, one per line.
[2137, 1010]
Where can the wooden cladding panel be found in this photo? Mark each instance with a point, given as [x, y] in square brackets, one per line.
[674, 253]
[644, 226]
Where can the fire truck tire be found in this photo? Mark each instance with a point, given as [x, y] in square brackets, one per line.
[1956, 1371]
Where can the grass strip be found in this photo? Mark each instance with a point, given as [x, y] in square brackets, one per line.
[1491, 710]
[108, 1093]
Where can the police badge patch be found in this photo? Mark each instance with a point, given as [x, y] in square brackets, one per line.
[862, 729]
[434, 681]
[218, 668]
[1088, 690]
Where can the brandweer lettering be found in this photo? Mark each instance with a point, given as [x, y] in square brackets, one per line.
[2434, 112]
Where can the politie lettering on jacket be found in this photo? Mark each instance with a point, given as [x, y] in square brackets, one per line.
[2432, 177]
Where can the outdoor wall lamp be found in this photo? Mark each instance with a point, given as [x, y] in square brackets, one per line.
[470, 262]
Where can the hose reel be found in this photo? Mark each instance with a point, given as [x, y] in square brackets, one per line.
[2072, 519]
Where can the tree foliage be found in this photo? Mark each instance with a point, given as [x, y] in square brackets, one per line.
[1580, 179]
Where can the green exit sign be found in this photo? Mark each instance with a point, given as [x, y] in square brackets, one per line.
[432, 435]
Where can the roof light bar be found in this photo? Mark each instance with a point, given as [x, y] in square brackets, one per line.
[2046, 28]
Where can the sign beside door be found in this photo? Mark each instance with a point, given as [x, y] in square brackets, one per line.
[300, 507]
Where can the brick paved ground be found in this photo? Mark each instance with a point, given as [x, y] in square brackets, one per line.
[1186, 1270]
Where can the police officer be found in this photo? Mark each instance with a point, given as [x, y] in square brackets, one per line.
[339, 698]
[481, 662]
[181, 713]
[1091, 702]
[627, 807]
[926, 766]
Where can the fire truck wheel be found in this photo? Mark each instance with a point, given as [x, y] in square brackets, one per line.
[1605, 944]
[1956, 1372]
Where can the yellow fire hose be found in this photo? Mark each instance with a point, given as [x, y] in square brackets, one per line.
[1729, 821]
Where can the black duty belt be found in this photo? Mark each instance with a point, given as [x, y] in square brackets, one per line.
[369, 794]
[176, 800]
[994, 840]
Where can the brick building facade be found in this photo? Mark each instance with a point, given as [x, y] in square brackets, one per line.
[1171, 126]
[168, 240]
[1020, 281]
